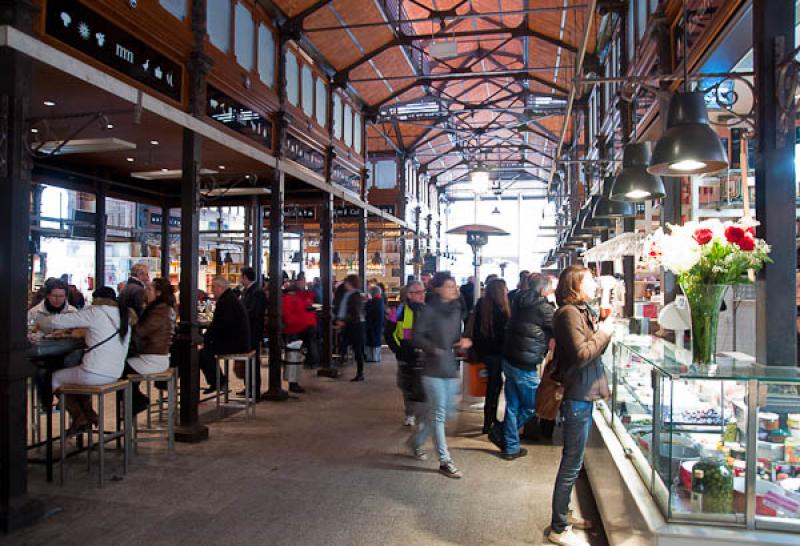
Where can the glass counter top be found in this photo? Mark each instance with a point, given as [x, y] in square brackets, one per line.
[676, 362]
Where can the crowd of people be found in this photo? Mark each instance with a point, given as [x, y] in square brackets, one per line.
[435, 326]
[542, 322]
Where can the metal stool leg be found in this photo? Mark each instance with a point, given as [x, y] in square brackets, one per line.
[63, 410]
[219, 386]
[227, 379]
[149, 393]
[128, 424]
[171, 415]
[101, 435]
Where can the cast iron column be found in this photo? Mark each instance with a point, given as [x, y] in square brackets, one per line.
[257, 252]
[16, 508]
[165, 257]
[363, 218]
[275, 392]
[188, 336]
[326, 278]
[776, 312]
[100, 236]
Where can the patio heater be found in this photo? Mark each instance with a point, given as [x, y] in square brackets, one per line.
[477, 237]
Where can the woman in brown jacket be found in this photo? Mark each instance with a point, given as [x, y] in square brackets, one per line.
[153, 335]
[580, 342]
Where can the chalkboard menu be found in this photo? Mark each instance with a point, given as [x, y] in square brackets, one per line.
[79, 27]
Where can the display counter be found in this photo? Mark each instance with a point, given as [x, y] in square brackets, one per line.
[715, 446]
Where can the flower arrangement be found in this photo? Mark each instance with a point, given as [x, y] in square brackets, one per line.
[709, 252]
[707, 257]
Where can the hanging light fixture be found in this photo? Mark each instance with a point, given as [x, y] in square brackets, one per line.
[336, 258]
[496, 211]
[689, 145]
[605, 208]
[634, 183]
[228, 259]
[593, 224]
[203, 260]
[376, 258]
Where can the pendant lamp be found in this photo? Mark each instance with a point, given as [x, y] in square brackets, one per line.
[689, 145]
[634, 183]
[595, 224]
[605, 208]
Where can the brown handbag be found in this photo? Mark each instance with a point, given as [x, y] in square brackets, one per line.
[550, 393]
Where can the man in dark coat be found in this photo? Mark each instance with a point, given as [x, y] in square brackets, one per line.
[255, 301]
[229, 332]
[527, 340]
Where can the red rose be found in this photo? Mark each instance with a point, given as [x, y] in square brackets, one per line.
[751, 231]
[734, 234]
[703, 236]
[747, 244]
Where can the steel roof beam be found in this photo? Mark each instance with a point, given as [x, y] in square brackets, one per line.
[403, 39]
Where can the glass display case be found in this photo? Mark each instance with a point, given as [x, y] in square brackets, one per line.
[716, 445]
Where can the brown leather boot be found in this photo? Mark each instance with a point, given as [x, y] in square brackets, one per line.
[86, 406]
[79, 420]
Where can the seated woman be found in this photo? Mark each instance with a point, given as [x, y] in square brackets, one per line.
[154, 336]
[54, 302]
[107, 337]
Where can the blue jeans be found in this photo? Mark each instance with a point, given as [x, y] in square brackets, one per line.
[521, 388]
[440, 393]
[576, 416]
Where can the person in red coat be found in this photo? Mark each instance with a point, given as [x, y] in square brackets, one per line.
[300, 322]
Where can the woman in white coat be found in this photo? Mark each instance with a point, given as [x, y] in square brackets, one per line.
[54, 302]
[108, 328]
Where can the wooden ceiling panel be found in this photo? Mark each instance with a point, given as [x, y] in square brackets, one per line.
[293, 7]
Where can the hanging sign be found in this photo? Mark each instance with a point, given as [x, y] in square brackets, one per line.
[304, 155]
[302, 213]
[157, 219]
[240, 118]
[77, 26]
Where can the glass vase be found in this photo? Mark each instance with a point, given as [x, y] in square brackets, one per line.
[705, 301]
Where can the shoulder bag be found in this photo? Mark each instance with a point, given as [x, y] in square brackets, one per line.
[550, 392]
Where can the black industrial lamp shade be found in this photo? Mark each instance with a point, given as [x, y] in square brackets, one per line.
[689, 145]
[611, 210]
[595, 224]
[228, 259]
[634, 183]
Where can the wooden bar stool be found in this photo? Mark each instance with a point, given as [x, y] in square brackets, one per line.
[167, 377]
[250, 371]
[122, 385]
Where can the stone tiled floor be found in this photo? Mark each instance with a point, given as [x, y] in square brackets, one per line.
[327, 467]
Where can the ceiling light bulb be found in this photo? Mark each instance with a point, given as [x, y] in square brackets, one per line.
[109, 126]
[637, 194]
[221, 167]
[129, 159]
[49, 103]
[164, 170]
[154, 142]
[687, 165]
[34, 130]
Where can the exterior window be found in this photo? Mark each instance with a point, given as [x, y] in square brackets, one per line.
[641, 22]
[243, 37]
[348, 125]
[322, 102]
[266, 55]
[292, 89]
[357, 133]
[175, 7]
[385, 174]
[308, 91]
[219, 24]
[337, 117]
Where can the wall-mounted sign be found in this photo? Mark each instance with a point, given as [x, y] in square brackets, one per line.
[301, 213]
[346, 179]
[77, 26]
[241, 119]
[157, 219]
[304, 155]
